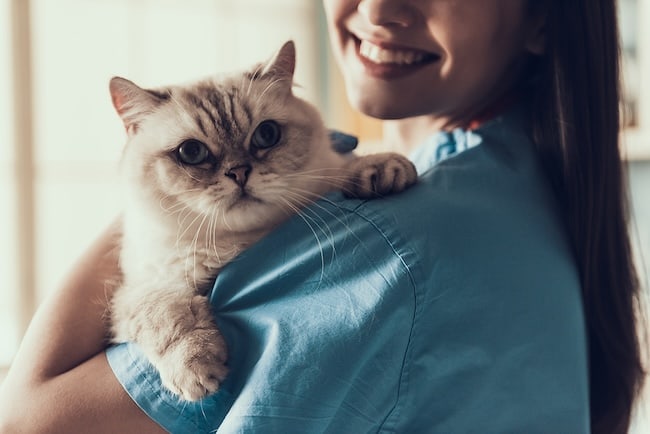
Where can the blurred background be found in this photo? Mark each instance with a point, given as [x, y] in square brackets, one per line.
[60, 140]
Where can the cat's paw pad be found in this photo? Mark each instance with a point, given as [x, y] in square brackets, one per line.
[196, 364]
[379, 175]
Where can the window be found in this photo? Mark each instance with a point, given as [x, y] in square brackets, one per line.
[9, 321]
[635, 41]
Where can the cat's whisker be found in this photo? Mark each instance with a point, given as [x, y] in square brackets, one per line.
[299, 212]
[183, 215]
[316, 175]
[213, 228]
[182, 218]
[307, 195]
[182, 108]
[340, 173]
[326, 180]
[183, 211]
[225, 221]
[303, 197]
[255, 73]
[181, 235]
[334, 170]
[180, 204]
[194, 246]
[342, 183]
[335, 181]
[172, 209]
[324, 209]
[219, 212]
[324, 228]
[210, 236]
[270, 86]
[184, 404]
[289, 179]
[303, 200]
[205, 417]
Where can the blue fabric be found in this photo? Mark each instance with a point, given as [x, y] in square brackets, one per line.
[451, 308]
[342, 143]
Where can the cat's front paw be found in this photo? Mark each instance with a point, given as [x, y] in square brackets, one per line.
[379, 175]
[195, 365]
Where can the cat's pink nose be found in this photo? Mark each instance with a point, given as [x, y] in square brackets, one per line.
[239, 174]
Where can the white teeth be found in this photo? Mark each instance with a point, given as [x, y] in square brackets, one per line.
[380, 55]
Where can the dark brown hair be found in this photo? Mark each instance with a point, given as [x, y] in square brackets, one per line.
[576, 128]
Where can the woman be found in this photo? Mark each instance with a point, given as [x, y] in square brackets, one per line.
[497, 295]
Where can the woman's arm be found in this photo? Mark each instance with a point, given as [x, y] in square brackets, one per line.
[60, 380]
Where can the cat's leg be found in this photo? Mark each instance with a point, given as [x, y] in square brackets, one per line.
[377, 175]
[176, 331]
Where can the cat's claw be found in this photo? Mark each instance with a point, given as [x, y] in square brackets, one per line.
[196, 365]
[379, 175]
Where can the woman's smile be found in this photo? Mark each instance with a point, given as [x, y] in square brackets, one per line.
[443, 59]
[387, 61]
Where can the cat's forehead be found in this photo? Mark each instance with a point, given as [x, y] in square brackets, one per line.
[208, 94]
[225, 108]
[218, 110]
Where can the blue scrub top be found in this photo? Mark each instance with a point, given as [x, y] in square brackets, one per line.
[453, 307]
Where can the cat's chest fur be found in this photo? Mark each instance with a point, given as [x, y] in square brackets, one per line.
[194, 253]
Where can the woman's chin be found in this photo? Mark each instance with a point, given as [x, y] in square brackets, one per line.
[378, 109]
[380, 104]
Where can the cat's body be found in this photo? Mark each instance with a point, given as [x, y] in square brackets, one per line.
[210, 168]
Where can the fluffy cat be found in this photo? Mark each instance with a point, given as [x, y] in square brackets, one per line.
[210, 168]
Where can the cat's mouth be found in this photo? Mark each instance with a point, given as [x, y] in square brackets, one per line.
[243, 198]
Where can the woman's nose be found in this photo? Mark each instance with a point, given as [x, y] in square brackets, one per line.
[387, 13]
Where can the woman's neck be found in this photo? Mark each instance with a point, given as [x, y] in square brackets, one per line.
[404, 135]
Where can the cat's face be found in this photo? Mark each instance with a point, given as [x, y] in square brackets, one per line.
[238, 152]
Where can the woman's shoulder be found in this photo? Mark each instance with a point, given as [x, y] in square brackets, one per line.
[497, 293]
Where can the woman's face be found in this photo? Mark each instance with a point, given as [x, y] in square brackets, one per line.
[444, 58]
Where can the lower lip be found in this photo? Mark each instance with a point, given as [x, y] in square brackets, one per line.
[387, 71]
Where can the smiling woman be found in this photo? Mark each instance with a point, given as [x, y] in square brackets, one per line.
[434, 58]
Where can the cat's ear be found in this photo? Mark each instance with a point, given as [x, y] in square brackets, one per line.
[132, 102]
[283, 64]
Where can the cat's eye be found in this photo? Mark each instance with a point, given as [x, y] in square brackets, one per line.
[266, 135]
[192, 152]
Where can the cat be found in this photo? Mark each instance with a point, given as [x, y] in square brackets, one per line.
[209, 169]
